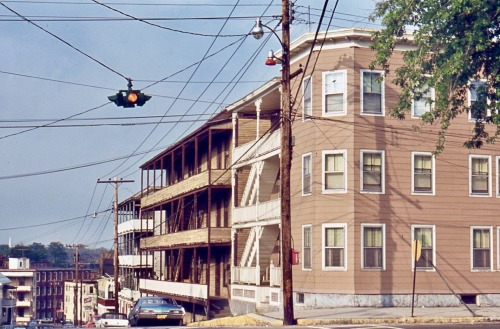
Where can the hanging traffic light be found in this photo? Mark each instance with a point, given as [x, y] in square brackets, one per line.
[130, 97]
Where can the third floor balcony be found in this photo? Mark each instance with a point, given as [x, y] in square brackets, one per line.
[257, 148]
[197, 181]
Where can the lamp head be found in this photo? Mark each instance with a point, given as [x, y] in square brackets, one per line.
[258, 31]
[270, 61]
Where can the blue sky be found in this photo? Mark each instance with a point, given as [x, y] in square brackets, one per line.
[81, 51]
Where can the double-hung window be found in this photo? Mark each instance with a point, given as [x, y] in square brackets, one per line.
[479, 178]
[334, 171]
[481, 242]
[477, 100]
[306, 174]
[423, 169]
[306, 247]
[498, 177]
[373, 248]
[372, 92]
[425, 234]
[422, 103]
[334, 246]
[372, 171]
[335, 93]
[307, 98]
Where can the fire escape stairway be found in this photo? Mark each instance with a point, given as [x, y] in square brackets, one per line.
[267, 243]
[249, 246]
[250, 192]
[267, 179]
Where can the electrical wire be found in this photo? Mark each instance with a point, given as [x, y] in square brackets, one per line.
[64, 41]
[167, 28]
[205, 56]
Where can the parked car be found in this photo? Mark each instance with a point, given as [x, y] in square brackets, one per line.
[112, 319]
[157, 310]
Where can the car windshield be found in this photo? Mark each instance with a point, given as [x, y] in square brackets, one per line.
[159, 301]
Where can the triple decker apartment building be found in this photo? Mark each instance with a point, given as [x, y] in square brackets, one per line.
[364, 186]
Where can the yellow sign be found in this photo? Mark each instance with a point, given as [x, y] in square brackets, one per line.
[416, 249]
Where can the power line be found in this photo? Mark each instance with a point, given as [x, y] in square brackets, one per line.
[242, 71]
[197, 67]
[163, 27]
[124, 124]
[44, 224]
[44, 18]
[63, 41]
[171, 4]
[106, 118]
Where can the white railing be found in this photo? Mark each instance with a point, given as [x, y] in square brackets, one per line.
[260, 211]
[274, 275]
[175, 288]
[23, 303]
[23, 288]
[249, 275]
[135, 260]
[134, 225]
[255, 148]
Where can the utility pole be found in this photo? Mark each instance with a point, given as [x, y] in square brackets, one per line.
[286, 162]
[75, 299]
[286, 155]
[115, 182]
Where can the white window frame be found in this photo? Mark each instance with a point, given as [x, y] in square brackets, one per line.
[323, 93]
[304, 227]
[498, 247]
[433, 174]
[434, 261]
[304, 156]
[490, 228]
[383, 268]
[476, 156]
[323, 241]
[323, 172]
[382, 174]
[469, 98]
[497, 162]
[305, 115]
[430, 106]
[382, 91]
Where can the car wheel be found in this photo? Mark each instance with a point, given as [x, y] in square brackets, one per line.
[180, 323]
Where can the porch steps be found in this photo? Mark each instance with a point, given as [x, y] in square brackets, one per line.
[219, 309]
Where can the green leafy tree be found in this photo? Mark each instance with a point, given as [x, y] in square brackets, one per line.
[4, 250]
[18, 251]
[37, 252]
[456, 42]
[58, 255]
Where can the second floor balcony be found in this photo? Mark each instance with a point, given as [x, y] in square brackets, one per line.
[261, 211]
[23, 289]
[135, 260]
[135, 225]
[217, 235]
[193, 290]
[23, 303]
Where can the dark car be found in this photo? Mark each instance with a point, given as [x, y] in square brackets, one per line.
[157, 310]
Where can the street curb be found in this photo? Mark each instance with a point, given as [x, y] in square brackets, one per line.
[253, 319]
[469, 320]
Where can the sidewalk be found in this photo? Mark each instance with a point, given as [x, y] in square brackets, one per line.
[364, 315]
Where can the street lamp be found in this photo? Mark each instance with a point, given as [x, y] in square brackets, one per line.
[286, 154]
